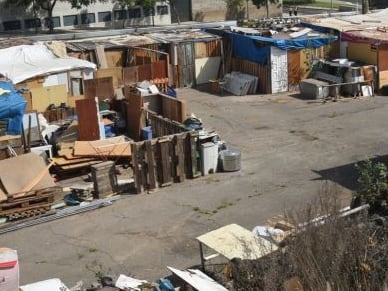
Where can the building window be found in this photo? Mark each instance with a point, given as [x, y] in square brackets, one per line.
[162, 9]
[12, 25]
[87, 18]
[120, 14]
[134, 12]
[105, 16]
[56, 21]
[32, 23]
[70, 20]
[149, 11]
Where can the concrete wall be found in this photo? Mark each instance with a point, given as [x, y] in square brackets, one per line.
[62, 9]
[217, 10]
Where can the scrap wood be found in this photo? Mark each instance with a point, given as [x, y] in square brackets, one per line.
[20, 173]
[61, 161]
[111, 147]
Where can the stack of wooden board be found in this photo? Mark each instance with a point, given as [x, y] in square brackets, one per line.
[104, 178]
[27, 188]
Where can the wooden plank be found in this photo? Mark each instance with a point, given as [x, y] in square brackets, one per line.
[179, 158]
[111, 147]
[165, 158]
[40, 175]
[136, 168]
[99, 87]
[114, 58]
[101, 58]
[293, 68]
[191, 155]
[88, 120]
[151, 170]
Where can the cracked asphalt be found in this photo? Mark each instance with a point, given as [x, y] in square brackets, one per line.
[289, 147]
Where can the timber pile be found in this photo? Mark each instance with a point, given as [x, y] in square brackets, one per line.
[26, 189]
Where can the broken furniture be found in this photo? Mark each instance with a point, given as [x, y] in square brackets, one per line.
[10, 145]
[233, 241]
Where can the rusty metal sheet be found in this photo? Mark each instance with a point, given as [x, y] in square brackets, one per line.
[144, 72]
[159, 69]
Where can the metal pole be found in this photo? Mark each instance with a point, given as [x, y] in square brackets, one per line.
[247, 10]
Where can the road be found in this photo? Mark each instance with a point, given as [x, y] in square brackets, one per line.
[289, 148]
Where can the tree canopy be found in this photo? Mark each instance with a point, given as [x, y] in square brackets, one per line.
[261, 3]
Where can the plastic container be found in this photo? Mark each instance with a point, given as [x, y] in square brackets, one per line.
[146, 133]
[230, 160]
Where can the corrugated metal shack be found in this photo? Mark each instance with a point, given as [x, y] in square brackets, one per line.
[280, 58]
[195, 56]
[363, 39]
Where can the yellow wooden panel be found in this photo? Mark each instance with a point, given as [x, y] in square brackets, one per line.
[42, 97]
[115, 73]
[383, 79]
[362, 52]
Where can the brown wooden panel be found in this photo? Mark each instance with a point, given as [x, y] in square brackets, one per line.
[144, 72]
[99, 87]
[135, 117]
[114, 58]
[293, 68]
[130, 75]
[383, 58]
[88, 127]
[159, 69]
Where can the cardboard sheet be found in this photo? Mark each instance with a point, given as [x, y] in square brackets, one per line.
[18, 172]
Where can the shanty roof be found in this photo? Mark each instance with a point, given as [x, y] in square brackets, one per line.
[234, 241]
[181, 36]
[352, 22]
[372, 36]
[110, 42]
[29, 61]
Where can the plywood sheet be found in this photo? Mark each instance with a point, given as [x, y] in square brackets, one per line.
[18, 172]
[116, 74]
[135, 116]
[111, 147]
[383, 79]
[42, 97]
[99, 87]
[100, 54]
[207, 69]
[88, 120]
[71, 100]
[233, 241]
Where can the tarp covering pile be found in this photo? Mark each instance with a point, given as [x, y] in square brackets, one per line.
[23, 62]
[257, 48]
[12, 107]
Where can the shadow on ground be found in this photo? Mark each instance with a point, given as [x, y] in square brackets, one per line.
[346, 175]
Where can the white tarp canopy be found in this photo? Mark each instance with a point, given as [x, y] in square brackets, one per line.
[23, 62]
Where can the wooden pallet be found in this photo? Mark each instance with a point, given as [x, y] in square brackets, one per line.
[30, 204]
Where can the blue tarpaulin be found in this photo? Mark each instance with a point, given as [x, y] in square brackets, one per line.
[12, 107]
[257, 48]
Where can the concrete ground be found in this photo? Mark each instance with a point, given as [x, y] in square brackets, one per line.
[289, 146]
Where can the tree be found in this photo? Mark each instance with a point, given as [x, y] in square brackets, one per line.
[260, 3]
[48, 5]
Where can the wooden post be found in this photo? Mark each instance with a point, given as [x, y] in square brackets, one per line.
[151, 173]
[165, 158]
[136, 168]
